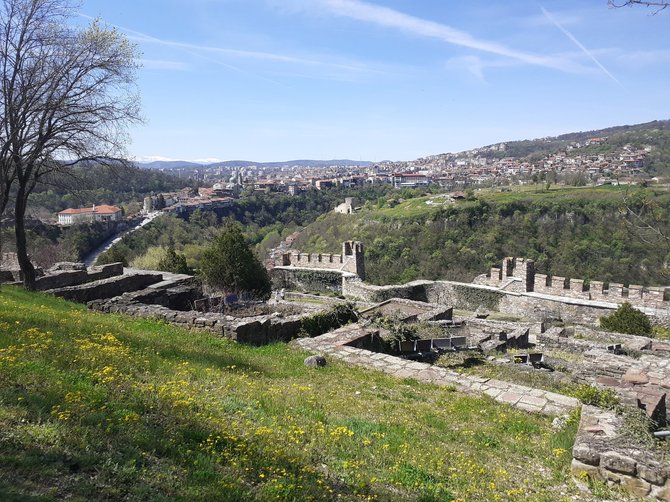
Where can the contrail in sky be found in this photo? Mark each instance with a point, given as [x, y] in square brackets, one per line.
[579, 44]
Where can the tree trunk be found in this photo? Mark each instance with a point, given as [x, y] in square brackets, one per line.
[21, 247]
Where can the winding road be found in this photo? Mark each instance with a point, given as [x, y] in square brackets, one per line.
[93, 255]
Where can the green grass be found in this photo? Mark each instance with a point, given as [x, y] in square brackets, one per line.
[104, 407]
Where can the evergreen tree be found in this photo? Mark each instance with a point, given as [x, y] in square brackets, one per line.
[174, 262]
[230, 264]
[627, 319]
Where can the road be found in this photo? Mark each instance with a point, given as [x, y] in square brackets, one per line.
[91, 257]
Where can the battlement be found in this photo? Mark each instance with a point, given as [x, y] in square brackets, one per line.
[518, 274]
[351, 260]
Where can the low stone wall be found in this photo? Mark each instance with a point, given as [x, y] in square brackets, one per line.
[258, 330]
[64, 278]
[181, 297]
[107, 288]
[348, 344]
[410, 310]
[601, 453]
[356, 288]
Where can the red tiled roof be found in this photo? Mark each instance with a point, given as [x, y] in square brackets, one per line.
[103, 209]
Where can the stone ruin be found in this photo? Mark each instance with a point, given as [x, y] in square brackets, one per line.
[637, 368]
[351, 261]
[519, 275]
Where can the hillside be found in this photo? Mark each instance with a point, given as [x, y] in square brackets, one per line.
[652, 137]
[102, 407]
[571, 232]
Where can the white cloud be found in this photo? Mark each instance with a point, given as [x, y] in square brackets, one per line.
[390, 18]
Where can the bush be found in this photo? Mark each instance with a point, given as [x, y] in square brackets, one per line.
[174, 262]
[323, 322]
[627, 319]
[602, 398]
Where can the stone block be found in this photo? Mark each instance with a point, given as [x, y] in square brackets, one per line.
[653, 404]
[616, 462]
[315, 361]
[579, 470]
[638, 487]
[585, 454]
[635, 378]
[653, 473]
[662, 493]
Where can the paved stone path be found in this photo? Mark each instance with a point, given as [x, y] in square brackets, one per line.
[336, 344]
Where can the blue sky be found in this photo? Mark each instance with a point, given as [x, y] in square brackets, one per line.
[271, 80]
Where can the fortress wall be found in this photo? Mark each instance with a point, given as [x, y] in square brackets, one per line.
[351, 260]
[472, 296]
[524, 269]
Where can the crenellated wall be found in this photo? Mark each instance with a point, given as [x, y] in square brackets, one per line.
[518, 275]
[351, 260]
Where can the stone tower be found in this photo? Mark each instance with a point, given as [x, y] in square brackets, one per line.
[353, 256]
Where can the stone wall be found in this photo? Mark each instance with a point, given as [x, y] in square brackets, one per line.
[258, 330]
[351, 260]
[473, 296]
[306, 280]
[63, 278]
[107, 288]
[518, 274]
[600, 452]
[643, 375]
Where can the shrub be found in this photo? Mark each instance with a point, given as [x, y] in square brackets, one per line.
[323, 322]
[602, 398]
[174, 262]
[627, 319]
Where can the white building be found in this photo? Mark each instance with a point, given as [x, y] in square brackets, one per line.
[73, 216]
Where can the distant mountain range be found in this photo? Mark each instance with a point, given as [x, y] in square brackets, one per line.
[655, 133]
[181, 164]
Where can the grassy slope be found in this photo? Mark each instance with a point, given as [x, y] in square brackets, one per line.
[102, 407]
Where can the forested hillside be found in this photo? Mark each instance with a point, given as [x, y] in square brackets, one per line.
[569, 232]
[85, 186]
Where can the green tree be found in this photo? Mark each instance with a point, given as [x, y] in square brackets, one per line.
[229, 264]
[116, 254]
[174, 262]
[627, 319]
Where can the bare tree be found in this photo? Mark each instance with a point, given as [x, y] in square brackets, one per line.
[648, 222]
[659, 6]
[68, 95]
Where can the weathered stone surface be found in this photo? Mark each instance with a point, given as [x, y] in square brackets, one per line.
[585, 454]
[637, 487]
[315, 361]
[608, 381]
[636, 378]
[653, 403]
[579, 470]
[662, 493]
[653, 473]
[617, 462]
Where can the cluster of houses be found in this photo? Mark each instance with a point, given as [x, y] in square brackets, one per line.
[482, 166]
